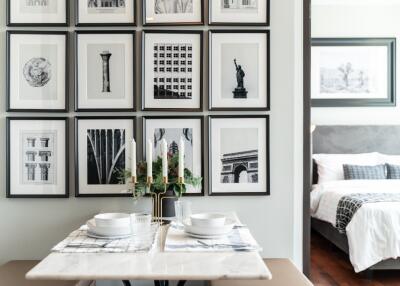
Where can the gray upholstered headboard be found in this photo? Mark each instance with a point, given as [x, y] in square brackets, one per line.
[353, 139]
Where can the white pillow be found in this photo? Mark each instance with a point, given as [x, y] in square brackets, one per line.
[330, 166]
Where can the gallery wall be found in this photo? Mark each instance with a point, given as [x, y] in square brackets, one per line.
[30, 227]
[356, 18]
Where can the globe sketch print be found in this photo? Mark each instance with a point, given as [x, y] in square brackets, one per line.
[37, 72]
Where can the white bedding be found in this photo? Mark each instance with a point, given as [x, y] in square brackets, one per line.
[374, 231]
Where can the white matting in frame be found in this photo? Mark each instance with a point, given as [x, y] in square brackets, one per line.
[38, 12]
[239, 155]
[173, 130]
[189, 69]
[97, 180]
[121, 12]
[172, 11]
[239, 12]
[96, 90]
[37, 162]
[37, 71]
[250, 50]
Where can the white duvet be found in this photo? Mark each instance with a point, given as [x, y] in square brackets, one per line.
[374, 231]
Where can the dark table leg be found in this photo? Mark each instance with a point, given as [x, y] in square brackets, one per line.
[181, 283]
[126, 282]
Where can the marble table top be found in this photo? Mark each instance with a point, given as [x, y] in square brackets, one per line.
[155, 265]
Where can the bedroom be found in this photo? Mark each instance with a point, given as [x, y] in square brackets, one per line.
[355, 133]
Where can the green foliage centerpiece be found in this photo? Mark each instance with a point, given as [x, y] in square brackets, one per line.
[158, 185]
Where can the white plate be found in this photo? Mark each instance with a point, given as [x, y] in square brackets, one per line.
[107, 231]
[209, 231]
[93, 235]
[205, 236]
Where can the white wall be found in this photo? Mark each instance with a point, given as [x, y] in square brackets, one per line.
[359, 18]
[30, 227]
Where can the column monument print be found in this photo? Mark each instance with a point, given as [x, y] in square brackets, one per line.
[105, 56]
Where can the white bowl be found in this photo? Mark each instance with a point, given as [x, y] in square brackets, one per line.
[107, 231]
[208, 220]
[112, 220]
[209, 231]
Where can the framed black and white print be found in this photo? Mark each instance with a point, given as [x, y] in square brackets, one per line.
[36, 71]
[105, 71]
[239, 70]
[172, 70]
[239, 155]
[102, 155]
[105, 12]
[239, 12]
[37, 12]
[353, 72]
[37, 157]
[173, 12]
[172, 129]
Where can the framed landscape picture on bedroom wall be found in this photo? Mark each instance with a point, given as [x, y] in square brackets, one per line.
[173, 12]
[353, 72]
[37, 71]
[105, 12]
[37, 12]
[172, 129]
[239, 12]
[239, 70]
[239, 155]
[172, 70]
[102, 155]
[105, 71]
[37, 157]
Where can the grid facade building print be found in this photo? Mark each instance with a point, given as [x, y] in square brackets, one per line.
[173, 67]
[37, 3]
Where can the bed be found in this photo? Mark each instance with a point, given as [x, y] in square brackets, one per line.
[362, 252]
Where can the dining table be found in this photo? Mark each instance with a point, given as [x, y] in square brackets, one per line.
[156, 265]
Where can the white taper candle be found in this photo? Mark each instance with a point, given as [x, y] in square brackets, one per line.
[149, 158]
[181, 157]
[164, 155]
[133, 161]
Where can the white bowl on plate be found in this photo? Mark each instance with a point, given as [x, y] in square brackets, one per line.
[112, 220]
[107, 230]
[207, 230]
[208, 220]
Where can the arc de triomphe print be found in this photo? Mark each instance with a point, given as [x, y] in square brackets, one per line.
[240, 167]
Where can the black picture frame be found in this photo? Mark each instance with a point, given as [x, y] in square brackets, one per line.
[195, 32]
[128, 32]
[390, 100]
[266, 23]
[64, 24]
[77, 174]
[267, 162]
[199, 117]
[8, 157]
[79, 24]
[146, 24]
[268, 79]
[8, 67]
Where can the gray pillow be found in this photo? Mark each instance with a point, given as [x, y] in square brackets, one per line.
[393, 172]
[355, 172]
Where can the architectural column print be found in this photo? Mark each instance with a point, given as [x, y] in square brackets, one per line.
[105, 56]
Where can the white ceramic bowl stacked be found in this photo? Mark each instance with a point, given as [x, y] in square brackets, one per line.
[208, 225]
[110, 225]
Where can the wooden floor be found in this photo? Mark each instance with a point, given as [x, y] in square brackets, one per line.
[330, 267]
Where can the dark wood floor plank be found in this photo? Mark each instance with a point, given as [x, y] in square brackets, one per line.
[331, 267]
